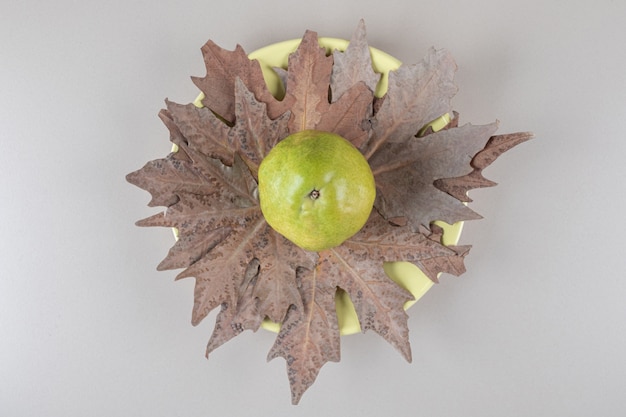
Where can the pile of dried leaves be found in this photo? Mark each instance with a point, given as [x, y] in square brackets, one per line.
[241, 265]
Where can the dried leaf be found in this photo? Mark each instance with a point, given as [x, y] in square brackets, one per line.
[354, 65]
[405, 173]
[438, 258]
[347, 117]
[163, 178]
[253, 134]
[309, 339]
[496, 146]
[417, 94]
[218, 85]
[234, 319]
[221, 230]
[307, 94]
[308, 79]
[357, 267]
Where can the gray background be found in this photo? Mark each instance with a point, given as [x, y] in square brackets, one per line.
[536, 327]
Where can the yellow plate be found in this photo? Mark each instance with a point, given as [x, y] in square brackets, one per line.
[405, 274]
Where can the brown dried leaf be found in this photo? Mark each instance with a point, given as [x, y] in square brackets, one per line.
[496, 146]
[276, 284]
[176, 136]
[347, 116]
[162, 178]
[417, 94]
[234, 319]
[219, 275]
[307, 94]
[309, 338]
[203, 131]
[356, 267]
[354, 65]
[378, 300]
[437, 258]
[308, 78]
[218, 85]
[221, 230]
[253, 134]
[405, 173]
